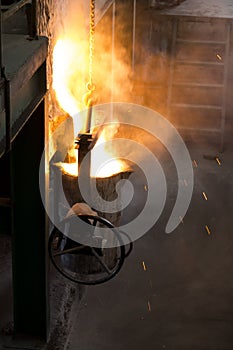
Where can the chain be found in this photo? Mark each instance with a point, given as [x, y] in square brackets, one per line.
[88, 96]
[90, 84]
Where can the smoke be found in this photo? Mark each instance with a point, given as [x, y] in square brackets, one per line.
[111, 74]
[112, 71]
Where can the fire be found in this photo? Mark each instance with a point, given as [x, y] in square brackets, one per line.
[103, 161]
[111, 167]
[69, 70]
[61, 73]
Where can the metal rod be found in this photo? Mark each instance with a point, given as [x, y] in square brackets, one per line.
[113, 56]
[102, 11]
[7, 112]
[6, 92]
[101, 261]
[134, 34]
[172, 65]
[33, 29]
[224, 94]
[71, 250]
[89, 116]
[14, 8]
[84, 141]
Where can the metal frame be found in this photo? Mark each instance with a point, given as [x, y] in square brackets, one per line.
[31, 309]
[23, 107]
[14, 8]
[224, 84]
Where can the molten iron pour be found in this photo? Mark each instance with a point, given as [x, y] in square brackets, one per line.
[87, 264]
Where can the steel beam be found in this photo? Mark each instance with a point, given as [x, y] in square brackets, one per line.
[29, 229]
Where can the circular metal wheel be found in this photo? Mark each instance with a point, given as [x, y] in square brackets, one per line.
[82, 263]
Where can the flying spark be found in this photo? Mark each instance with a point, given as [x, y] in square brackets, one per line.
[195, 163]
[219, 57]
[149, 306]
[205, 196]
[208, 230]
[218, 161]
[144, 266]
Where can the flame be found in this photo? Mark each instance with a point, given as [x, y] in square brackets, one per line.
[69, 66]
[115, 166]
[63, 53]
[69, 69]
[103, 162]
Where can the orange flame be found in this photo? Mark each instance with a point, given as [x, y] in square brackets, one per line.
[103, 162]
[69, 67]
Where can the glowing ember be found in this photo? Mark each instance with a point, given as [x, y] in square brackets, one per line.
[218, 161]
[219, 57]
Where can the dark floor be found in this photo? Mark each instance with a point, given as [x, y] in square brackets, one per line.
[184, 299]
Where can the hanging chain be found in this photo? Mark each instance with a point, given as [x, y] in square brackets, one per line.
[90, 84]
[88, 96]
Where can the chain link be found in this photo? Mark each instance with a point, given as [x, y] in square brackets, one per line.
[90, 84]
[88, 98]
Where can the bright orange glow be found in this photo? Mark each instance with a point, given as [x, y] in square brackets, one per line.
[69, 168]
[63, 55]
[112, 168]
[68, 78]
[70, 63]
[103, 162]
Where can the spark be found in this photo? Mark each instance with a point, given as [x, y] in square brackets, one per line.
[195, 163]
[218, 160]
[144, 266]
[219, 57]
[205, 196]
[208, 230]
[146, 188]
[181, 219]
[149, 306]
